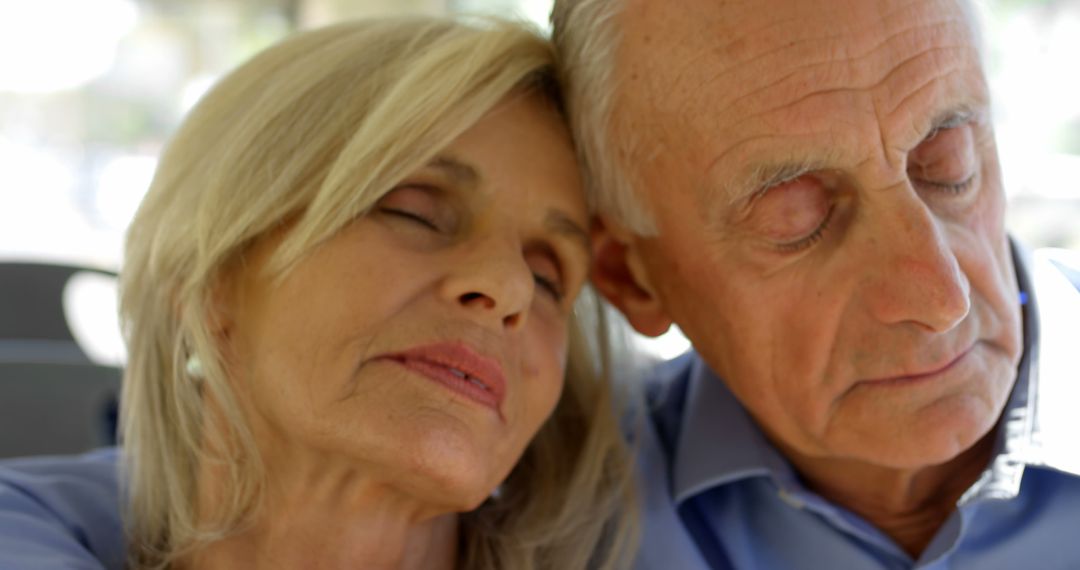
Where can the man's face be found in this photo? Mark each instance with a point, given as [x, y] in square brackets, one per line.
[826, 187]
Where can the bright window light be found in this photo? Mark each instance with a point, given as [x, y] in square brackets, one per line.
[90, 304]
[54, 45]
[121, 186]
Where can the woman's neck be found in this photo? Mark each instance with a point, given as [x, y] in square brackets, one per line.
[329, 519]
[326, 545]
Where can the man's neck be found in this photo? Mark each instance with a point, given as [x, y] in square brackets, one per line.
[908, 505]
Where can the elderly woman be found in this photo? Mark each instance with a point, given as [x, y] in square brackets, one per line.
[349, 299]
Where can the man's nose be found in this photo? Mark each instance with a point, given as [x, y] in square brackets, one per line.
[492, 281]
[914, 275]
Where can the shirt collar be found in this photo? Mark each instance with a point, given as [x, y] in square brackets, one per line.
[1036, 427]
[700, 463]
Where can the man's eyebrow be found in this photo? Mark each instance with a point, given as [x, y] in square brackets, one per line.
[762, 176]
[953, 118]
[456, 170]
[562, 224]
[755, 180]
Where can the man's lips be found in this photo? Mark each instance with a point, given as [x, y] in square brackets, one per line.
[925, 373]
[458, 367]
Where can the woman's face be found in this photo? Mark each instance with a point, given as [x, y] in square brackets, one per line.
[423, 345]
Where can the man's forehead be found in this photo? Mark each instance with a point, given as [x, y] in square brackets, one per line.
[724, 86]
[673, 49]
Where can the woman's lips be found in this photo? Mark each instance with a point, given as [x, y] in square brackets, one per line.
[459, 368]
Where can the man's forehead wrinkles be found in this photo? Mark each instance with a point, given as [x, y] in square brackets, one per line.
[907, 104]
[826, 70]
[889, 90]
[917, 96]
[782, 72]
[685, 90]
[738, 81]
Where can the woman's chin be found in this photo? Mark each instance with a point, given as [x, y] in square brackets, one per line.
[453, 491]
[458, 478]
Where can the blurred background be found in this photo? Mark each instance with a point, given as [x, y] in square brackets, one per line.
[91, 89]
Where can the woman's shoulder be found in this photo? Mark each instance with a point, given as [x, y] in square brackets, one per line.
[61, 512]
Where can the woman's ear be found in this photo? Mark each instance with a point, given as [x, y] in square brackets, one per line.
[220, 307]
[619, 274]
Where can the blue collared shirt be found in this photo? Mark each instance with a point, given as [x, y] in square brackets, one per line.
[711, 480]
[61, 513]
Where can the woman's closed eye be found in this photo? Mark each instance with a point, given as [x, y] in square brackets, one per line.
[419, 205]
[549, 286]
[547, 274]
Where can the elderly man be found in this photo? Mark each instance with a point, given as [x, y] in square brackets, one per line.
[810, 190]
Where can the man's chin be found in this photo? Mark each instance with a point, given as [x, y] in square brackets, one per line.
[921, 430]
[925, 444]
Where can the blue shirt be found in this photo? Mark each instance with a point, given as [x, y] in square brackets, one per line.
[717, 494]
[61, 513]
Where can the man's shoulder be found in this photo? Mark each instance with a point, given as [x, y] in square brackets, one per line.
[61, 512]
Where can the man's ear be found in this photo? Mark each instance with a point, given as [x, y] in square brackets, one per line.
[618, 273]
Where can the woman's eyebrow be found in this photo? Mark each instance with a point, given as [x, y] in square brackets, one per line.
[459, 172]
[560, 223]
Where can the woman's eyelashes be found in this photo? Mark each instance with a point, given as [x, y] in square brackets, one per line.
[423, 221]
[547, 272]
[549, 286]
[415, 204]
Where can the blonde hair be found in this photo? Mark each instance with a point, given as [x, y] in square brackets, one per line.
[312, 132]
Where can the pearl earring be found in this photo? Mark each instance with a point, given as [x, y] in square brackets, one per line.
[194, 367]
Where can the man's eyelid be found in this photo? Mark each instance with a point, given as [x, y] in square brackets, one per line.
[805, 242]
[761, 184]
[959, 187]
[922, 172]
[820, 181]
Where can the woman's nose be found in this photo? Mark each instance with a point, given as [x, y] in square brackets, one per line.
[492, 281]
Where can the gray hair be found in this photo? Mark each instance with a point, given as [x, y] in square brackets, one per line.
[586, 40]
